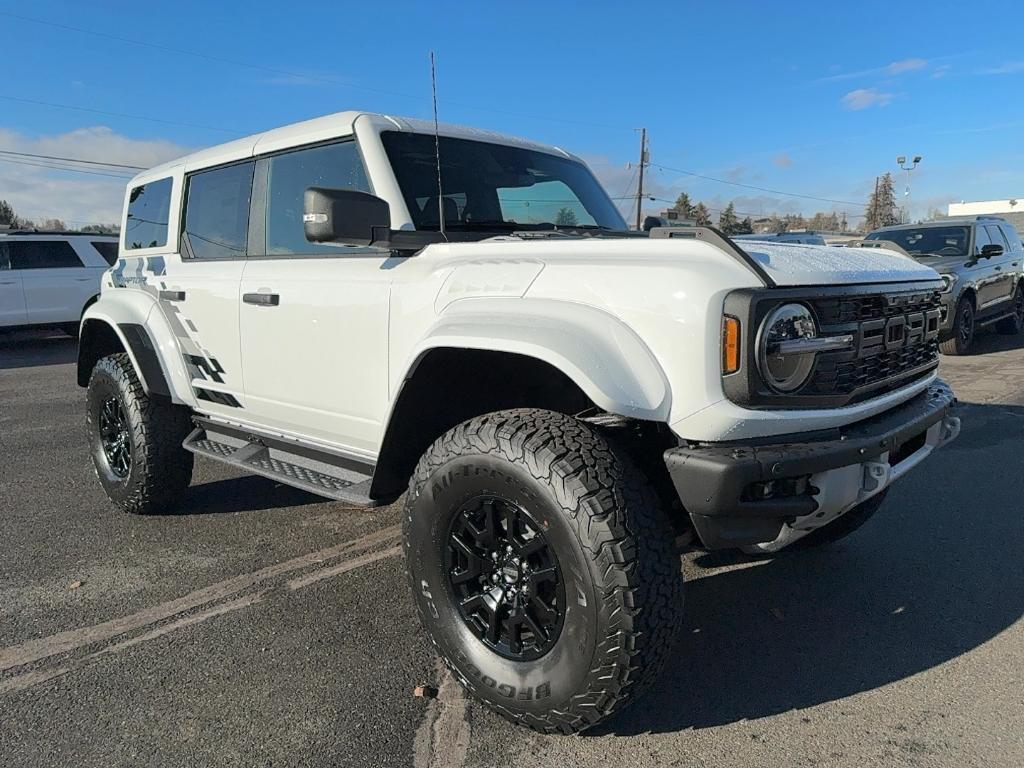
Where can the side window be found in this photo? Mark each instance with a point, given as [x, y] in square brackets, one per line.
[108, 250]
[217, 212]
[42, 254]
[996, 236]
[5, 259]
[981, 239]
[148, 209]
[1012, 237]
[335, 166]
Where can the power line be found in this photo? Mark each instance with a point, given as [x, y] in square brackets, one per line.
[71, 160]
[55, 167]
[752, 186]
[119, 114]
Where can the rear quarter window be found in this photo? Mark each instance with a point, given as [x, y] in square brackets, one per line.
[149, 207]
[108, 249]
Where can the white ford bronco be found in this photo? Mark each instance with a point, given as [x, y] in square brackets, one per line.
[364, 308]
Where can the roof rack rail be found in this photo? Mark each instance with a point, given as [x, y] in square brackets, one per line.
[57, 233]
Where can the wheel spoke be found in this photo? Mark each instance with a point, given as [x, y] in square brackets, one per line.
[493, 623]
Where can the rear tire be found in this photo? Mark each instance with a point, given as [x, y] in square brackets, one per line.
[135, 440]
[504, 499]
[1010, 326]
[963, 330]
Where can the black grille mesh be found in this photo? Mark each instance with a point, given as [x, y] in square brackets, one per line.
[834, 375]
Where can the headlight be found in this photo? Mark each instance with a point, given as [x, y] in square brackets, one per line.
[948, 281]
[785, 365]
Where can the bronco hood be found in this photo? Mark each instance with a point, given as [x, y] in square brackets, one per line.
[792, 264]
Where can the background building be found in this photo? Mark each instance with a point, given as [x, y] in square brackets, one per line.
[1012, 210]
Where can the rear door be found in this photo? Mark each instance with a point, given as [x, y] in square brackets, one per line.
[56, 283]
[313, 317]
[200, 290]
[12, 297]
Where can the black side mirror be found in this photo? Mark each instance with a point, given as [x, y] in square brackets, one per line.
[346, 217]
[990, 250]
[651, 222]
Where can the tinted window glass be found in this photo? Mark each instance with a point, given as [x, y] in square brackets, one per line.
[5, 259]
[217, 212]
[927, 241]
[996, 236]
[335, 166]
[981, 239]
[495, 187]
[1012, 237]
[148, 209]
[42, 254]
[107, 249]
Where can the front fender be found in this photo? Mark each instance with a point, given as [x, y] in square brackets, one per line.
[145, 335]
[602, 355]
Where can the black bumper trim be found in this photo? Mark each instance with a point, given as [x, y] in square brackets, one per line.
[711, 478]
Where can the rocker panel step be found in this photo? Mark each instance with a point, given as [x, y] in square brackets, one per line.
[306, 467]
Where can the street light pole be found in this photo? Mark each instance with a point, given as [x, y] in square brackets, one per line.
[902, 161]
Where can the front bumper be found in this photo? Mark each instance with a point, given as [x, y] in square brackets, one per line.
[742, 494]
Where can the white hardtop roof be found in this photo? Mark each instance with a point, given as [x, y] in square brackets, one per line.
[325, 128]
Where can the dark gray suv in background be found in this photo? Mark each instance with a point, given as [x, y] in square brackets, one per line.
[981, 260]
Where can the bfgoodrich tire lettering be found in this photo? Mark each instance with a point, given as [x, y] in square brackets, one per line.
[159, 469]
[619, 572]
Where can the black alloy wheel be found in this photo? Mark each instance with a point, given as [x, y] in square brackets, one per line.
[115, 436]
[505, 578]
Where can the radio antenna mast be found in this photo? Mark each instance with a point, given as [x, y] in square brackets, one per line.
[437, 148]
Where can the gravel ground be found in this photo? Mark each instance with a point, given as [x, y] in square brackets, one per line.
[264, 626]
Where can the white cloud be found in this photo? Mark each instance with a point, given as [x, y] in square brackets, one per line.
[906, 65]
[1006, 68]
[77, 198]
[863, 98]
[893, 68]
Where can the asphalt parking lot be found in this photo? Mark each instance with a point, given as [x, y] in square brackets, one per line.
[264, 626]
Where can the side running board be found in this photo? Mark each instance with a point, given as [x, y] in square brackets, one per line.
[312, 469]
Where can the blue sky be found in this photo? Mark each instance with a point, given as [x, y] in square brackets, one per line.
[810, 98]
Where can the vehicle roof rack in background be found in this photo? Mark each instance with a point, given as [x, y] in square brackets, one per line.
[887, 244]
[718, 239]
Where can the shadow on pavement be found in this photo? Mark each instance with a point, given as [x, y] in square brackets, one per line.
[28, 349]
[935, 574]
[991, 341]
[248, 493]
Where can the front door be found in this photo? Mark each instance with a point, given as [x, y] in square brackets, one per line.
[313, 317]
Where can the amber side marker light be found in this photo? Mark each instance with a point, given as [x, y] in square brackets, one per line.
[730, 344]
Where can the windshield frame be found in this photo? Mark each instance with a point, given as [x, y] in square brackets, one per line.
[406, 151]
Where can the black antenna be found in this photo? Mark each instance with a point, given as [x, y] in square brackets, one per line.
[437, 148]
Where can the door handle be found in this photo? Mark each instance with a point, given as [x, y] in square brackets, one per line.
[83, 279]
[8, 282]
[172, 295]
[262, 299]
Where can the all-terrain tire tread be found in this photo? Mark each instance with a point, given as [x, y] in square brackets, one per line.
[618, 520]
[161, 468]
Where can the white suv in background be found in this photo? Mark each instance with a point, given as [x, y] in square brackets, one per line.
[49, 278]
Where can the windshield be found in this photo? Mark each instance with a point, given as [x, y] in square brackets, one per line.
[495, 186]
[928, 241]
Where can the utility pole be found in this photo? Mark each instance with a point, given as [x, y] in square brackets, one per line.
[644, 159]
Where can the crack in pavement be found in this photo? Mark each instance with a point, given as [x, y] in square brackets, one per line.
[442, 739]
[70, 640]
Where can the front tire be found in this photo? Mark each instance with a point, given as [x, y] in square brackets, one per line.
[542, 567]
[135, 440]
[959, 343]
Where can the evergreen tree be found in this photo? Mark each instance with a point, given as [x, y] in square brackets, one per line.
[702, 215]
[684, 206]
[566, 217]
[727, 221]
[7, 216]
[881, 210]
[746, 227]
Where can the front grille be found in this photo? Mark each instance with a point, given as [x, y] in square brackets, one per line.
[855, 309]
[843, 378]
[877, 367]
